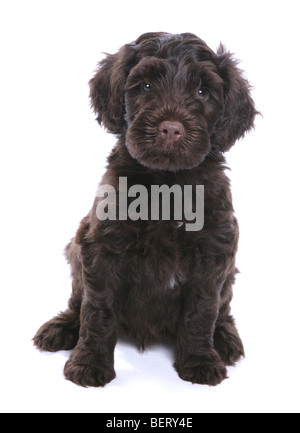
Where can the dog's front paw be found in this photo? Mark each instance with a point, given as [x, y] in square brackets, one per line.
[207, 369]
[84, 369]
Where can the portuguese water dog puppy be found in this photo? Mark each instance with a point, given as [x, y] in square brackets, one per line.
[176, 107]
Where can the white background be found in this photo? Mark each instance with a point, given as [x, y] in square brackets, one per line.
[53, 154]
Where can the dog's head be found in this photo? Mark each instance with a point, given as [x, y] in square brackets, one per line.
[172, 99]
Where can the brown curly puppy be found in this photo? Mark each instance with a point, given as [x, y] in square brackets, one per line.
[175, 106]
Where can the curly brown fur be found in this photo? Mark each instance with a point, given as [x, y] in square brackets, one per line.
[176, 106]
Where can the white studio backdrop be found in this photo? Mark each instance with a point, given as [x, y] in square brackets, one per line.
[53, 155]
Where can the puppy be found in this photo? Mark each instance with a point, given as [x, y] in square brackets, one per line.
[176, 107]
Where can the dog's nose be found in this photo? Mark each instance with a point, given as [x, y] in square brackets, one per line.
[171, 131]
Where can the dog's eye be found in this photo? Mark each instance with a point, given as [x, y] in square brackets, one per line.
[202, 93]
[147, 87]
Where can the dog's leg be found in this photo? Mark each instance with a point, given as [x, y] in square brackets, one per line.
[62, 332]
[59, 333]
[92, 362]
[196, 360]
[227, 341]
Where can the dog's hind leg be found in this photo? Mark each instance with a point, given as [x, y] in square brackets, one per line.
[227, 341]
[62, 332]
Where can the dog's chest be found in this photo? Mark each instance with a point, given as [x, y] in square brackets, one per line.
[156, 261]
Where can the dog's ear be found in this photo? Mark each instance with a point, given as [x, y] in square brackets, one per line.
[239, 109]
[107, 88]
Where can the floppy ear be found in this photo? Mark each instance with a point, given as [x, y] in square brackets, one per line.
[107, 89]
[239, 111]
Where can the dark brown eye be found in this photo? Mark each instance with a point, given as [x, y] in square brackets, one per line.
[147, 87]
[202, 93]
